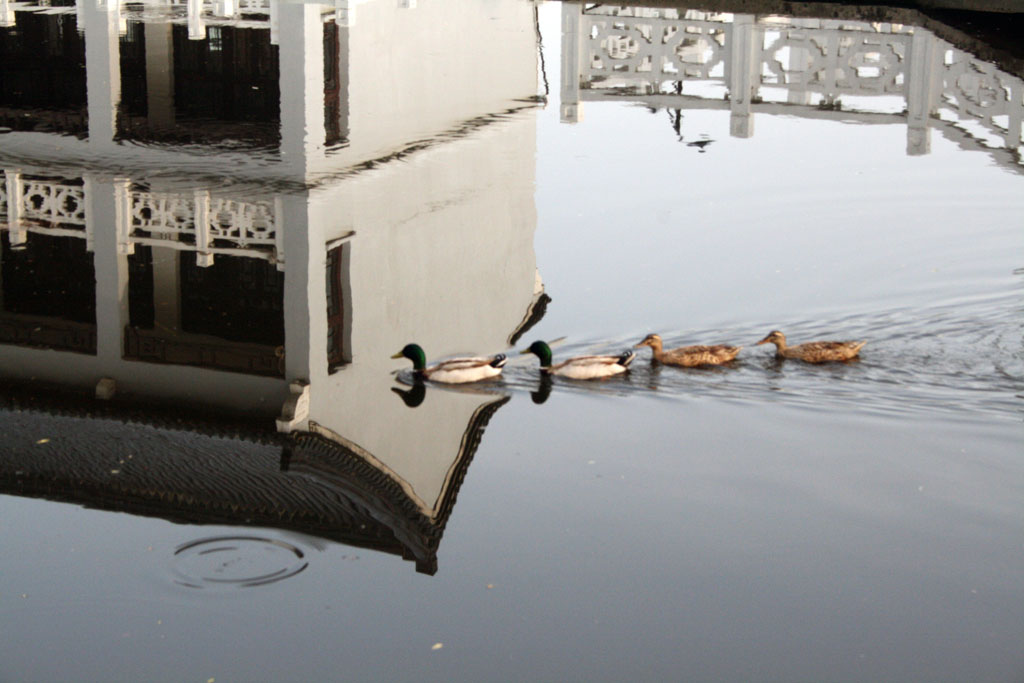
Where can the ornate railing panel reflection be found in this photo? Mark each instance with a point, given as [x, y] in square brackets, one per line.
[204, 224]
[186, 222]
[197, 14]
[32, 204]
[700, 58]
[975, 94]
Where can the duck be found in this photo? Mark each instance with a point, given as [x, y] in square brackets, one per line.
[455, 370]
[690, 356]
[581, 367]
[814, 352]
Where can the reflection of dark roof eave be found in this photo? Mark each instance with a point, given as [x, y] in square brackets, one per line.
[158, 462]
[379, 496]
[181, 477]
[384, 498]
[534, 314]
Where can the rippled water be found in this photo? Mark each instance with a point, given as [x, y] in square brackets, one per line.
[764, 520]
[950, 359]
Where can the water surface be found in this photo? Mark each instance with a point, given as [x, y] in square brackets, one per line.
[474, 187]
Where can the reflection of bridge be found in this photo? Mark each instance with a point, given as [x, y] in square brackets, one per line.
[840, 69]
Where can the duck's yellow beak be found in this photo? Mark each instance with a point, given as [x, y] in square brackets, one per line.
[764, 341]
[397, 355]
[524, 352]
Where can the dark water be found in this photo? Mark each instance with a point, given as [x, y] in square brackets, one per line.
[764, 520]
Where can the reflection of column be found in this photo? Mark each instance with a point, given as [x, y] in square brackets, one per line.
[201, 219]
[103, 69]
[15, 230]
[572, 15]
[224, 8]
[301, 54]
[110, 211]
[196, 25]
[920, 91]
[1015, 127]
[159, 75]
[275, 6]
[799, 58]
[6, 14]
[743, 61]
[305, 298]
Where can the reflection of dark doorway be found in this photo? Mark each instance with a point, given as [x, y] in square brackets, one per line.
[49, 294]
[228, 316]
[339, 308]
[237, 298]
[141, 292]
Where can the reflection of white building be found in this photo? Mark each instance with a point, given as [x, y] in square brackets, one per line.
[391, 202]
[871, 72]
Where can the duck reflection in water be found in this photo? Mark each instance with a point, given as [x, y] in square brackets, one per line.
[543, 390]
[412, 397]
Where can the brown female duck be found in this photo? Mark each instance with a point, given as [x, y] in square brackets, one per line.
[690, 356]
[813, 352]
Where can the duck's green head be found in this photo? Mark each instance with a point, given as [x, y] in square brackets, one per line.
[542, 351]
[414, 353]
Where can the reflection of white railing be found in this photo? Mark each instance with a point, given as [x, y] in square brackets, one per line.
[196, 13]
[204, 224]
[699, 58]
[187, 222]
[45, 206]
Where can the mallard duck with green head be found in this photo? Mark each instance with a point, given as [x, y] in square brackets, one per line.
[690, 356]
[455, 370]
[813, 352]
[581, 367]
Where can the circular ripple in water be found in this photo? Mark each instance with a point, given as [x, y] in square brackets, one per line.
[236, 562]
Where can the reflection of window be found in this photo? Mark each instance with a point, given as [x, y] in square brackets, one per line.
[42, 74]
[333, 85]
[237, 298]
[339, 308]
[48, 294]
[216, 39]
[52, 276]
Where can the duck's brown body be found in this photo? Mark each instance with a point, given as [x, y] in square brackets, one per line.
[690, 356]
[814, 352]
